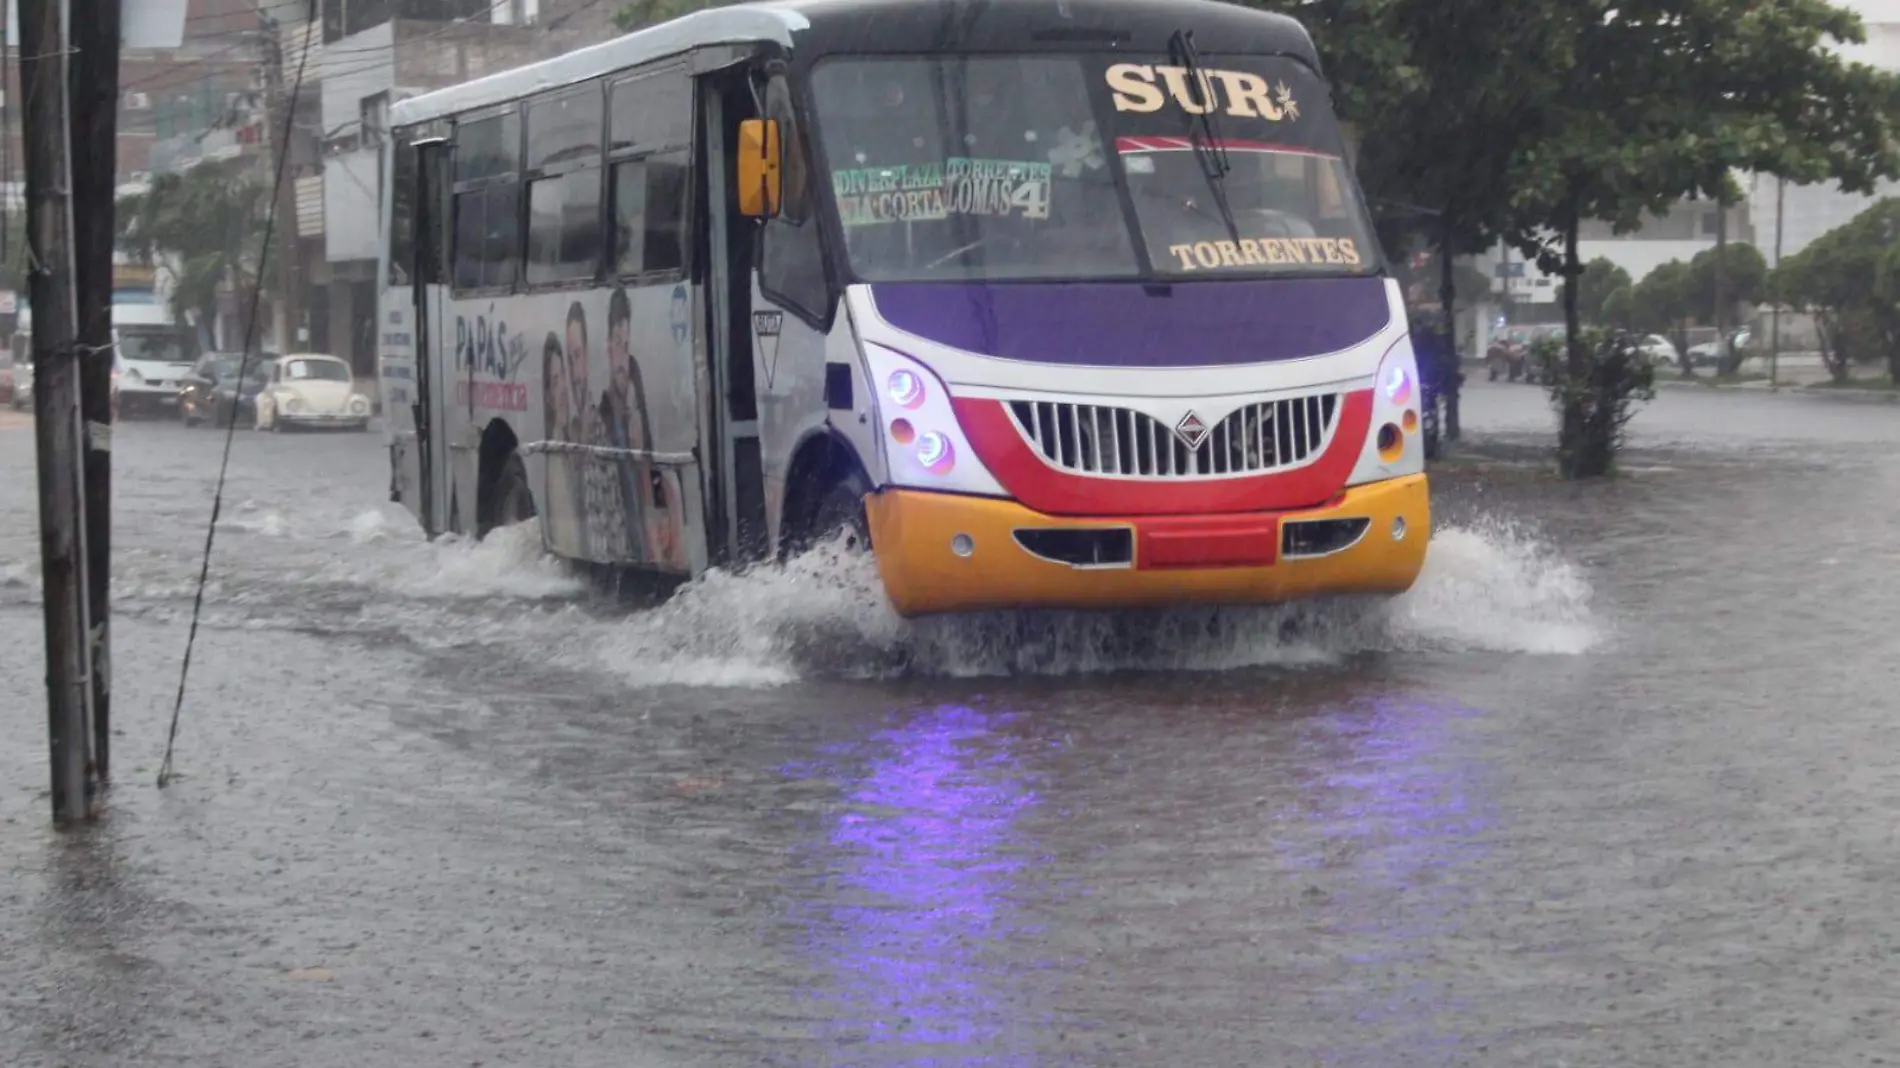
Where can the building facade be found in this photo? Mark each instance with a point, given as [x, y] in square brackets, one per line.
[361, 56]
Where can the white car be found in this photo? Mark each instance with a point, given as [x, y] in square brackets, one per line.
[307, 389]
[1659, 351]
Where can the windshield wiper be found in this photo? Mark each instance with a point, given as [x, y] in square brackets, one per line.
[1209, 150]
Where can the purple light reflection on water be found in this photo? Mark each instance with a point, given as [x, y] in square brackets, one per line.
[1407, 804]
[915, 913]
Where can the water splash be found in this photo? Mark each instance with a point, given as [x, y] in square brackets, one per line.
[508, 564]
[369, 528]
[267, 523]
[1488, 588]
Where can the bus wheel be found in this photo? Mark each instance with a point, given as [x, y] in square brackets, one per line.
[514, 501]
[840, 511]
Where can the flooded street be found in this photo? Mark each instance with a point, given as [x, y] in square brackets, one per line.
[1615, 785]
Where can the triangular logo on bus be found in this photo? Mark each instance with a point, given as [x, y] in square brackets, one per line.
[765, 331]
[1192, 430]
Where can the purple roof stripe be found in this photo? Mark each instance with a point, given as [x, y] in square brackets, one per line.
[1124, 324]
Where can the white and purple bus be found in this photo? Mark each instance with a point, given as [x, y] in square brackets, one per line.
[1047, 303]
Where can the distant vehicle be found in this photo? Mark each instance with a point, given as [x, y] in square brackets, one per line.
[308, 389]
[1709, 353]
[9, 390]
[213, 390]
[1509, 356]
[153, 354]
[1659, 351]
[19, 373]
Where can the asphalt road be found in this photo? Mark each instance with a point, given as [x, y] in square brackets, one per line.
[1615, 785]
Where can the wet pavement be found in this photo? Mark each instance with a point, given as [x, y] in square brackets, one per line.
[1615, 785]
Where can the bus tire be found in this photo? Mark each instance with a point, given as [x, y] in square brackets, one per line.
[514, 501]
[839, 510]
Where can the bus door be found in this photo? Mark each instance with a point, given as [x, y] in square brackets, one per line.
[735, 464]
[430, 278]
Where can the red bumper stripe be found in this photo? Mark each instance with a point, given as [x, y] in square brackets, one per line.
[1228, 541]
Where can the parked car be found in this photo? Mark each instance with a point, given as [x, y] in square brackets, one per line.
[9, 389]
[1709, 353]
[308, 389]
[213, 390]
[20, 374]
[1659, 351]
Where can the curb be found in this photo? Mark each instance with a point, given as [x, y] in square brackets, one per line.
[1763, 387]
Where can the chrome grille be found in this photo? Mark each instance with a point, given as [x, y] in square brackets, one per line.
[1093, 439]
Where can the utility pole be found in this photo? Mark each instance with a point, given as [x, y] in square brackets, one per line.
[56, 399]
[277, 138]
[1722, 350]
[94, 81]
[1774, 351]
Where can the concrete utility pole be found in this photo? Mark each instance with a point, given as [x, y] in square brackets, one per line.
[277, 137]
[1774, 352]
[1722, 348]
[49, 220]
[95, 127]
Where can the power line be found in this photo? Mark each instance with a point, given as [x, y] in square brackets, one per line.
[165, 774]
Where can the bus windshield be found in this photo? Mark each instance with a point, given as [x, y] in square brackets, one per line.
[1014, 167]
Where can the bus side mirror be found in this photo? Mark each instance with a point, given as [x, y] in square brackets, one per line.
[758, 168]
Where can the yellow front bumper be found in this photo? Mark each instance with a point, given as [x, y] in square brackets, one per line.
[912, 531]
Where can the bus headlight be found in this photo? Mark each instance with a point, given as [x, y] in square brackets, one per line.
[936, 453]
[1393, 446]
[1396, 380]
[921, 441]
[907, 389]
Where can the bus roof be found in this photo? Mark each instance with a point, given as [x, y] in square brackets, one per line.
[893, 26]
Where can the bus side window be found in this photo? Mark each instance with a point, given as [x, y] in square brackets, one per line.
[650, 123]
[401, 195]
[792, 267]
[487, 201]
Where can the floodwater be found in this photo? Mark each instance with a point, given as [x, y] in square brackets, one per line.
[1615, 785]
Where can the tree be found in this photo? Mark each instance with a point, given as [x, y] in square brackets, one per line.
[1662, 303]
[1619, 308]
[1599, 280]
[205, 226]
[1746, 279]
[1713, 86]
[1442, 90]
[1849, 281]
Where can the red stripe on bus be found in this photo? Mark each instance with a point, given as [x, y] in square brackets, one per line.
[1037, 484]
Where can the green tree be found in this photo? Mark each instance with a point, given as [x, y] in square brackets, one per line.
[1599, 280]
[1662, 303]
[205, 226]
[1441, 91]
[1713, 86]
[1619, 308]
[1849, 281]
[1746, 280]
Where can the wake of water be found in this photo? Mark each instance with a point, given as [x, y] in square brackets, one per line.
[1488, 588]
